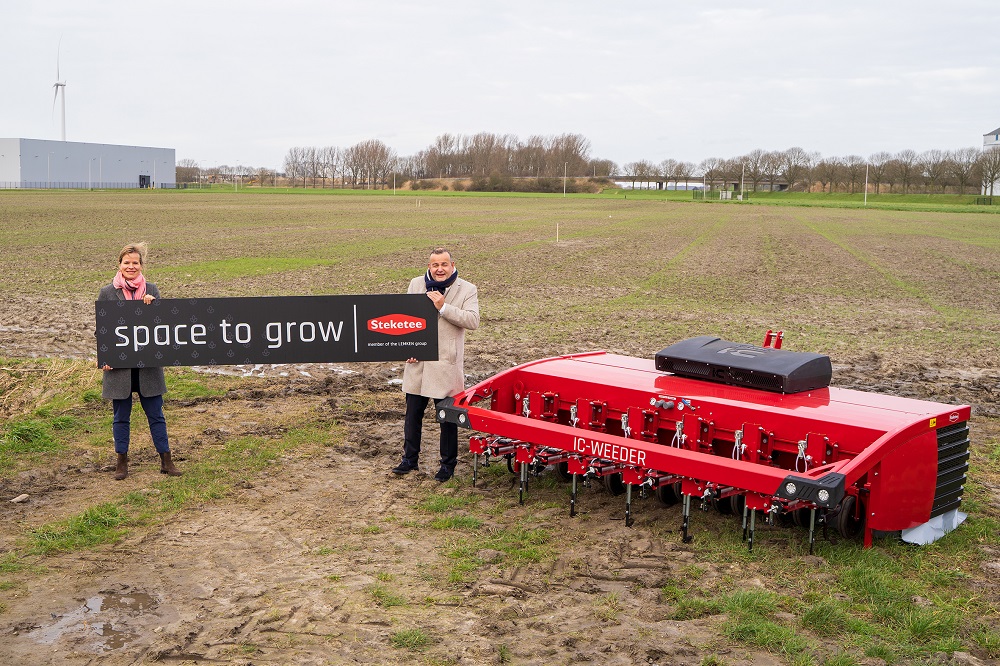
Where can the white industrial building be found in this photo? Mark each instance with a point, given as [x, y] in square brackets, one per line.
[991, 141]
[38, 163]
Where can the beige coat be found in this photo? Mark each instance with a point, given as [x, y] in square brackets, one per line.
[446, 376]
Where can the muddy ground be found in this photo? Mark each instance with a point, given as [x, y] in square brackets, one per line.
[281, 571]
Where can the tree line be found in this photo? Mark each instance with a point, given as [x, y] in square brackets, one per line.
[373, 164]
[933, 171]
[486, 159]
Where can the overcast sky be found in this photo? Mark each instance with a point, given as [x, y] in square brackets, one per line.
[242, 82]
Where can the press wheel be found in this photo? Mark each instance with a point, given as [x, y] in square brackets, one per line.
[801, 517]
[849, 526]
[669, 494]
[728, 506]
[613, 484]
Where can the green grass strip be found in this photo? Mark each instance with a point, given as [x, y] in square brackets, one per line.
[205, 480]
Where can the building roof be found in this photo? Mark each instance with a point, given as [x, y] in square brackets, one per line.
[996, 131]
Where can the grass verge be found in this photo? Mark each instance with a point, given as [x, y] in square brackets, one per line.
[211, 478]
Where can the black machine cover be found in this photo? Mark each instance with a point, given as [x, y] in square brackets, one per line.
[740, 364]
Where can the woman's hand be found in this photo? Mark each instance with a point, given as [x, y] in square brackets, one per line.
[148, 298]
[105, 367]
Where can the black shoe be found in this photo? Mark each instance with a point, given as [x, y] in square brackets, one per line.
[404, 468]
[443, 475]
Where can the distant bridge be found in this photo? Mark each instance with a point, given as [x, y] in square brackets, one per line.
[695, 182]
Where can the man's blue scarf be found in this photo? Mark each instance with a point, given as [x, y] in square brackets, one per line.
[434, 285]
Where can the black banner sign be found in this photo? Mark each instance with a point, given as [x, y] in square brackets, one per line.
[285, 329]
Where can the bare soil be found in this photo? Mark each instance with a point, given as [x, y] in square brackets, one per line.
[282, 570]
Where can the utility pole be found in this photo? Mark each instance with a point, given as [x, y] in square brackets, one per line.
[866, 185]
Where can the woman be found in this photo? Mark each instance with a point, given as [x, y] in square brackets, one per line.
[118, 385]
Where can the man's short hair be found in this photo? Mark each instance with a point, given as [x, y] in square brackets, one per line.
[443, 250]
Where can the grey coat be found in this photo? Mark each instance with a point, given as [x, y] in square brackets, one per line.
[446, 376]
[117, 384]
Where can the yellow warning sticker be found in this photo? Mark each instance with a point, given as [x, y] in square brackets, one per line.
[933, 423]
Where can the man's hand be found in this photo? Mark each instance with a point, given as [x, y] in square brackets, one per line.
[437, 298]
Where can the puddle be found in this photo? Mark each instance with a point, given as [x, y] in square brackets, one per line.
[102, 622]
[136, 601]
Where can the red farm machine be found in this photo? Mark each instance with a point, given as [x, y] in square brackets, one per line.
[746, 429]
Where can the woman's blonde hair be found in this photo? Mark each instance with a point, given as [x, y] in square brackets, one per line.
[139, 248]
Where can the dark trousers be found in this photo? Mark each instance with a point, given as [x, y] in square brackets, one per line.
[121, 426]
[415, 407]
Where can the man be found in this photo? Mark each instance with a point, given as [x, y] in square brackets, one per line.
[457, 304]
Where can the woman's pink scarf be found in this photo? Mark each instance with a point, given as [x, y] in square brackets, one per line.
[134, 290]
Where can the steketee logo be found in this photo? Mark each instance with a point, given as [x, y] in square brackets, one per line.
[397, 324]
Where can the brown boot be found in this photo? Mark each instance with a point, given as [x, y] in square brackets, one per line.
[121, 468]
[167, 465]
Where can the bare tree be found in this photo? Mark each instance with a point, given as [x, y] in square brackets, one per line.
[263, 175]
[441, 156]
[533, 157]
[353, 165]
[485, 153]
[989, 164]
[412, 167]
[244, 173]
[369, 162]
[329, 161]
[854, 171]
[602, 168]
[772, 168]
[572, 151]
[712, 170]
[295, 165]
[313, 164]
[504, 155]
[933, 165]
[753, 167]
[795, 166]
[964, 167]
[640, 171]
[187, 171]
[892, 173]
[668, 169]
[907, 168]
[732, 172]
[685, 172]
[879, 162]
[827, 171]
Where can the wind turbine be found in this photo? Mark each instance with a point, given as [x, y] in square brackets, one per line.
[60, 85]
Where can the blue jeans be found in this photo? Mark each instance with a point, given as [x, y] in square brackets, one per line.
[121, 427]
